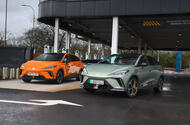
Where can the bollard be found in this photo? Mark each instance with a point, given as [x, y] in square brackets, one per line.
[3, 75]
[10, 73]
[5, 72]
[13, 73]
[17, 73]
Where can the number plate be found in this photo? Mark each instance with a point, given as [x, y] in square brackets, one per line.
[32, 74]
[97, 82]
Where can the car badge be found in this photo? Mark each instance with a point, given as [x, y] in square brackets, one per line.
[33, 68]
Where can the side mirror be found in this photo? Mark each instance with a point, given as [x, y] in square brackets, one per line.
[144, 64]
[65, 61]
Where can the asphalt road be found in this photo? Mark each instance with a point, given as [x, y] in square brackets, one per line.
[171, 107]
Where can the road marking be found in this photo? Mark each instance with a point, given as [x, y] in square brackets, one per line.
[43, 102]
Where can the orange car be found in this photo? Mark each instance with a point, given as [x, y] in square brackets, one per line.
[52, 66]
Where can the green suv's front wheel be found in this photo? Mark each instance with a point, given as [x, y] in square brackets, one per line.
[132, 88]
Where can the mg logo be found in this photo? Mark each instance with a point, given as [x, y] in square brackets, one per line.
[33, 68]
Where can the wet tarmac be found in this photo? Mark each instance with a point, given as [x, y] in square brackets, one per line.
[171, 107]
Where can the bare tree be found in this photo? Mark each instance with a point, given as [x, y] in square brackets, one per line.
[10, 39]
[40, 36]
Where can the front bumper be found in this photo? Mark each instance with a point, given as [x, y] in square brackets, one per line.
[43, 74]
[110, 84]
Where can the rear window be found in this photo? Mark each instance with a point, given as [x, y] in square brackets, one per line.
[50, 57]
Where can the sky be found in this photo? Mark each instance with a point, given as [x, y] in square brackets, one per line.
[20, 18]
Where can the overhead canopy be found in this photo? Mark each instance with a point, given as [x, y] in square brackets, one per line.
[162, 24]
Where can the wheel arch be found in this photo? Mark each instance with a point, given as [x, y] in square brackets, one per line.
[61, 71]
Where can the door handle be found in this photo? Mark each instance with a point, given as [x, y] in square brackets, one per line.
[150, 70]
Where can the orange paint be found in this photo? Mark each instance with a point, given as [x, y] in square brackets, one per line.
[69, 68]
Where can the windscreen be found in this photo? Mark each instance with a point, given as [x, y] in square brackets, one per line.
[50, 57]
[120, 60]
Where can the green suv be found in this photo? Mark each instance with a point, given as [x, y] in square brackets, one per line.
[123, 72]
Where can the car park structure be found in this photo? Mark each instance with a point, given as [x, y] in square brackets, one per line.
[122, 24]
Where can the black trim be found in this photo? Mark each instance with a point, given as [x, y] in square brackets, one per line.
[106, 85]
[35, 77]
[73, 75]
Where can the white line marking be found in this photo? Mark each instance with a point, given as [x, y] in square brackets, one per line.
[43, 102]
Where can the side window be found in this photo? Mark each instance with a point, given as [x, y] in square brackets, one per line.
[67, 58]
[151, 61]
[74, 58]
[143, 60]
[155, 62]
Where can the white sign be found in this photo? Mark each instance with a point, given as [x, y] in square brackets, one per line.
[43, 102]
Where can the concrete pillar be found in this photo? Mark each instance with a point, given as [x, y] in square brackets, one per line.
[56, 36]
[115, 35]
[103, 50]
[152, 52]
[140, 46]
[145, 48]
[89, 49]
[68, 40]
[158, 56]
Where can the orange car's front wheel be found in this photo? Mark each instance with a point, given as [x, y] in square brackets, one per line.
[59, 77]
[27, 80]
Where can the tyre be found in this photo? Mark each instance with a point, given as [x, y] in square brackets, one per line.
[132, 89]
[90, 90]
[59, 77]
[159, 87]
[78, 78]
[27, 80]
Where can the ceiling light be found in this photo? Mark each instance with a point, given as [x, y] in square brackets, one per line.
[70, 24]
[178, 22]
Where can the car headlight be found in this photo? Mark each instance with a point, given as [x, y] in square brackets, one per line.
[22, 66]
[122, 72]
[84, 71]
[50, 67]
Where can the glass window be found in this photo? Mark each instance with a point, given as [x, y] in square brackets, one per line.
[74, 58]
[143, 60]
[50, 57]
[129, 59]
[150, 60]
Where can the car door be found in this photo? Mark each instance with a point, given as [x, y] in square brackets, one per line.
[144, 71]
[153, 69]
[68, 65]
[76, 63]
[158, 70]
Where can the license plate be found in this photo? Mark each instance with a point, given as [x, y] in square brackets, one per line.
[97, 82]
[32, 74]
